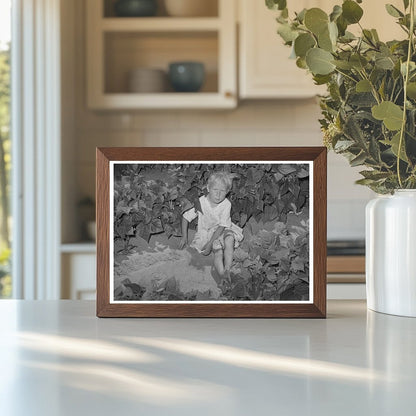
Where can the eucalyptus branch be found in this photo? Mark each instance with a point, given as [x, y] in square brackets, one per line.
[392, 91]
[406, 79]
[398, 95]
[373, 88]
[346, 75]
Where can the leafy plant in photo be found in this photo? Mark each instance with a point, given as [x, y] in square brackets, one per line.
[369, 112]
[150, 200]
[269, 201]
[273, 260]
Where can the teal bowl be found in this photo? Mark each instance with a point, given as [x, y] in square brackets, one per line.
[135, 8]
[186, 76]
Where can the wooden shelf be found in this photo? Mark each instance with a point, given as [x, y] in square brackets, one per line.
[160, 24]
[196, 100]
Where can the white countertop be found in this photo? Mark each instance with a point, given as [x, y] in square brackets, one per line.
[57, 358]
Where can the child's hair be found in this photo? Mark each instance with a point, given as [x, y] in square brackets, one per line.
[225, 177]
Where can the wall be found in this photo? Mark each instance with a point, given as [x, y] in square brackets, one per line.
[253, 123]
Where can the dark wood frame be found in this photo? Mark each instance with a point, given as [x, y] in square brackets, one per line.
[317, 309]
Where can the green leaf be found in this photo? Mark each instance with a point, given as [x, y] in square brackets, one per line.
[358, 61]
[394, 143]
[316, 20]
[319, 61]
[321, 79]
[358, 160]
[333, 32]
[374, 174]
[374, 150]
[363, 86]
[370, 37]
[393, 11]
[412, 67]
[342, 25]
[382, 89]
[345, 65]
[353, 131]
[287, 33]
[375, 35]
[411, 90]
[391, 114]
[301, 15]
[327, 39]
[276, 4]
[336, 12]
[351, 11]
[301, 63]
[362, 99]
[406, 4]
[343, 145]
[325, 42]
[384, 62]
[303, 43]
[347, 37]
[281, 19]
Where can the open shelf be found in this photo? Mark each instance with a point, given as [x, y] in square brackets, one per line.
[160, 24]
[127, 51]
[118, 45]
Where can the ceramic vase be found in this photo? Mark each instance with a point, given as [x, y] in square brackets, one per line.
[391, 253]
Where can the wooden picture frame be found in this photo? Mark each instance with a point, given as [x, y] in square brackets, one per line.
[278, 263]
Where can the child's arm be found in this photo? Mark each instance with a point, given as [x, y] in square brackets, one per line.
[184, 239]
[208, 246]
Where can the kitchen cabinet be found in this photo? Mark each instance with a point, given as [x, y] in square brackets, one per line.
[78, 262]
[118, 45]
[265, 70]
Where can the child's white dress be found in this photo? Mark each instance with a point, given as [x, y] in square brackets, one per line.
[209, 220]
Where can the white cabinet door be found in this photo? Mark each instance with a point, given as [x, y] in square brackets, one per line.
[265, 69]
[78, 276]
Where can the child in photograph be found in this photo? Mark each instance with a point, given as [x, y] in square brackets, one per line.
[215, 232]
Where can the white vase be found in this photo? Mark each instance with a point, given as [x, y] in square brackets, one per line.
[391, 253]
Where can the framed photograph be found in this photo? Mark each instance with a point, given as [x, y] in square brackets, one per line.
[211, 232]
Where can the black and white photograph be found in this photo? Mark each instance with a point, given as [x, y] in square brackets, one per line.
[210, 232]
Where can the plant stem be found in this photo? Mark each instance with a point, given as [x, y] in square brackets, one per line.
[406, 79]
[373, 88]
[346, 75]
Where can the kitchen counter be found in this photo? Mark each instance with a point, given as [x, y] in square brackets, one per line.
[57, 358]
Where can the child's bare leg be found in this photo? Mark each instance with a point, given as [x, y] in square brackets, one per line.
[228, 252]
[219, 261]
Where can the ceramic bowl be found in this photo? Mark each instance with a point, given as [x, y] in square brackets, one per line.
[135, 8]
[186, 76]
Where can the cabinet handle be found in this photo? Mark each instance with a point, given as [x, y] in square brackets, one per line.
[229, 94]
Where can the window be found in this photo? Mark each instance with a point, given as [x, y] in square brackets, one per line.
[5, 147]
